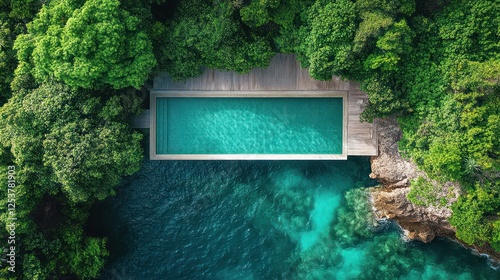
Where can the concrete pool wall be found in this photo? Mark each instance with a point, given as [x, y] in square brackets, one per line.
[246, 94]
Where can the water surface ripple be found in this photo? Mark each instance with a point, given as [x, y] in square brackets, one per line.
[250, 220]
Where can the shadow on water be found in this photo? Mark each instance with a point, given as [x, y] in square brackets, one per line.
[105, 223]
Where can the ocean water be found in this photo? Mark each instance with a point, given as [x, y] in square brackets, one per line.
[252, 220]
[249, 125]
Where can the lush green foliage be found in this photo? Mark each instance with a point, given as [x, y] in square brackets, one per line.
[13, 15]
[427, 193]
[206, 34]
[281, 12]
[70, 148]
[283, 22]
[330, 39]
[70, 145]
[451, 127]
[88, 45]
[475, 216]
[7, 57]
[382, 38]
[68, 131]
[49, 238]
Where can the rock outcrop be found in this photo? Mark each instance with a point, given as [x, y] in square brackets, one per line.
[390, 200]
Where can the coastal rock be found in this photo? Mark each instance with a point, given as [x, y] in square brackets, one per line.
[418, 222]
[389, 167]
[390, 201]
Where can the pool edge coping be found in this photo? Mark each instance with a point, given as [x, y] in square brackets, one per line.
[155, 93]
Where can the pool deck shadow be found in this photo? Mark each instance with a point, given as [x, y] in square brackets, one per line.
[284, 77]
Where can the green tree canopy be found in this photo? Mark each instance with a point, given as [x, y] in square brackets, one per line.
[70, 147]
[88, 44]
[206, 34]
[475, 216]
[67, 132]
[376, 17]
[7, 57]
[14, 14]
[330, 39]
[284, 13]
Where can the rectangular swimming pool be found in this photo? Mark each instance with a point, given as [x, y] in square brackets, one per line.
[249, 125]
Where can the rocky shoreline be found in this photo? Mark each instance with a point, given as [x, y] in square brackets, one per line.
[389, 201]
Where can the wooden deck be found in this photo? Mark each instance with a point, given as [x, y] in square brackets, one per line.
[283, 74]
[142, 120]
[361, 137]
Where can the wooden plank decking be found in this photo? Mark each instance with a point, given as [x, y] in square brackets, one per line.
[361, 137]
[284, 74]
[142, 120]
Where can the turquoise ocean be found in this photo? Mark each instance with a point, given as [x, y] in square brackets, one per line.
[259, 220]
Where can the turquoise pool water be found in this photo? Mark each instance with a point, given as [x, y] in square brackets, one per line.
[262, 220]
[249, 125]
